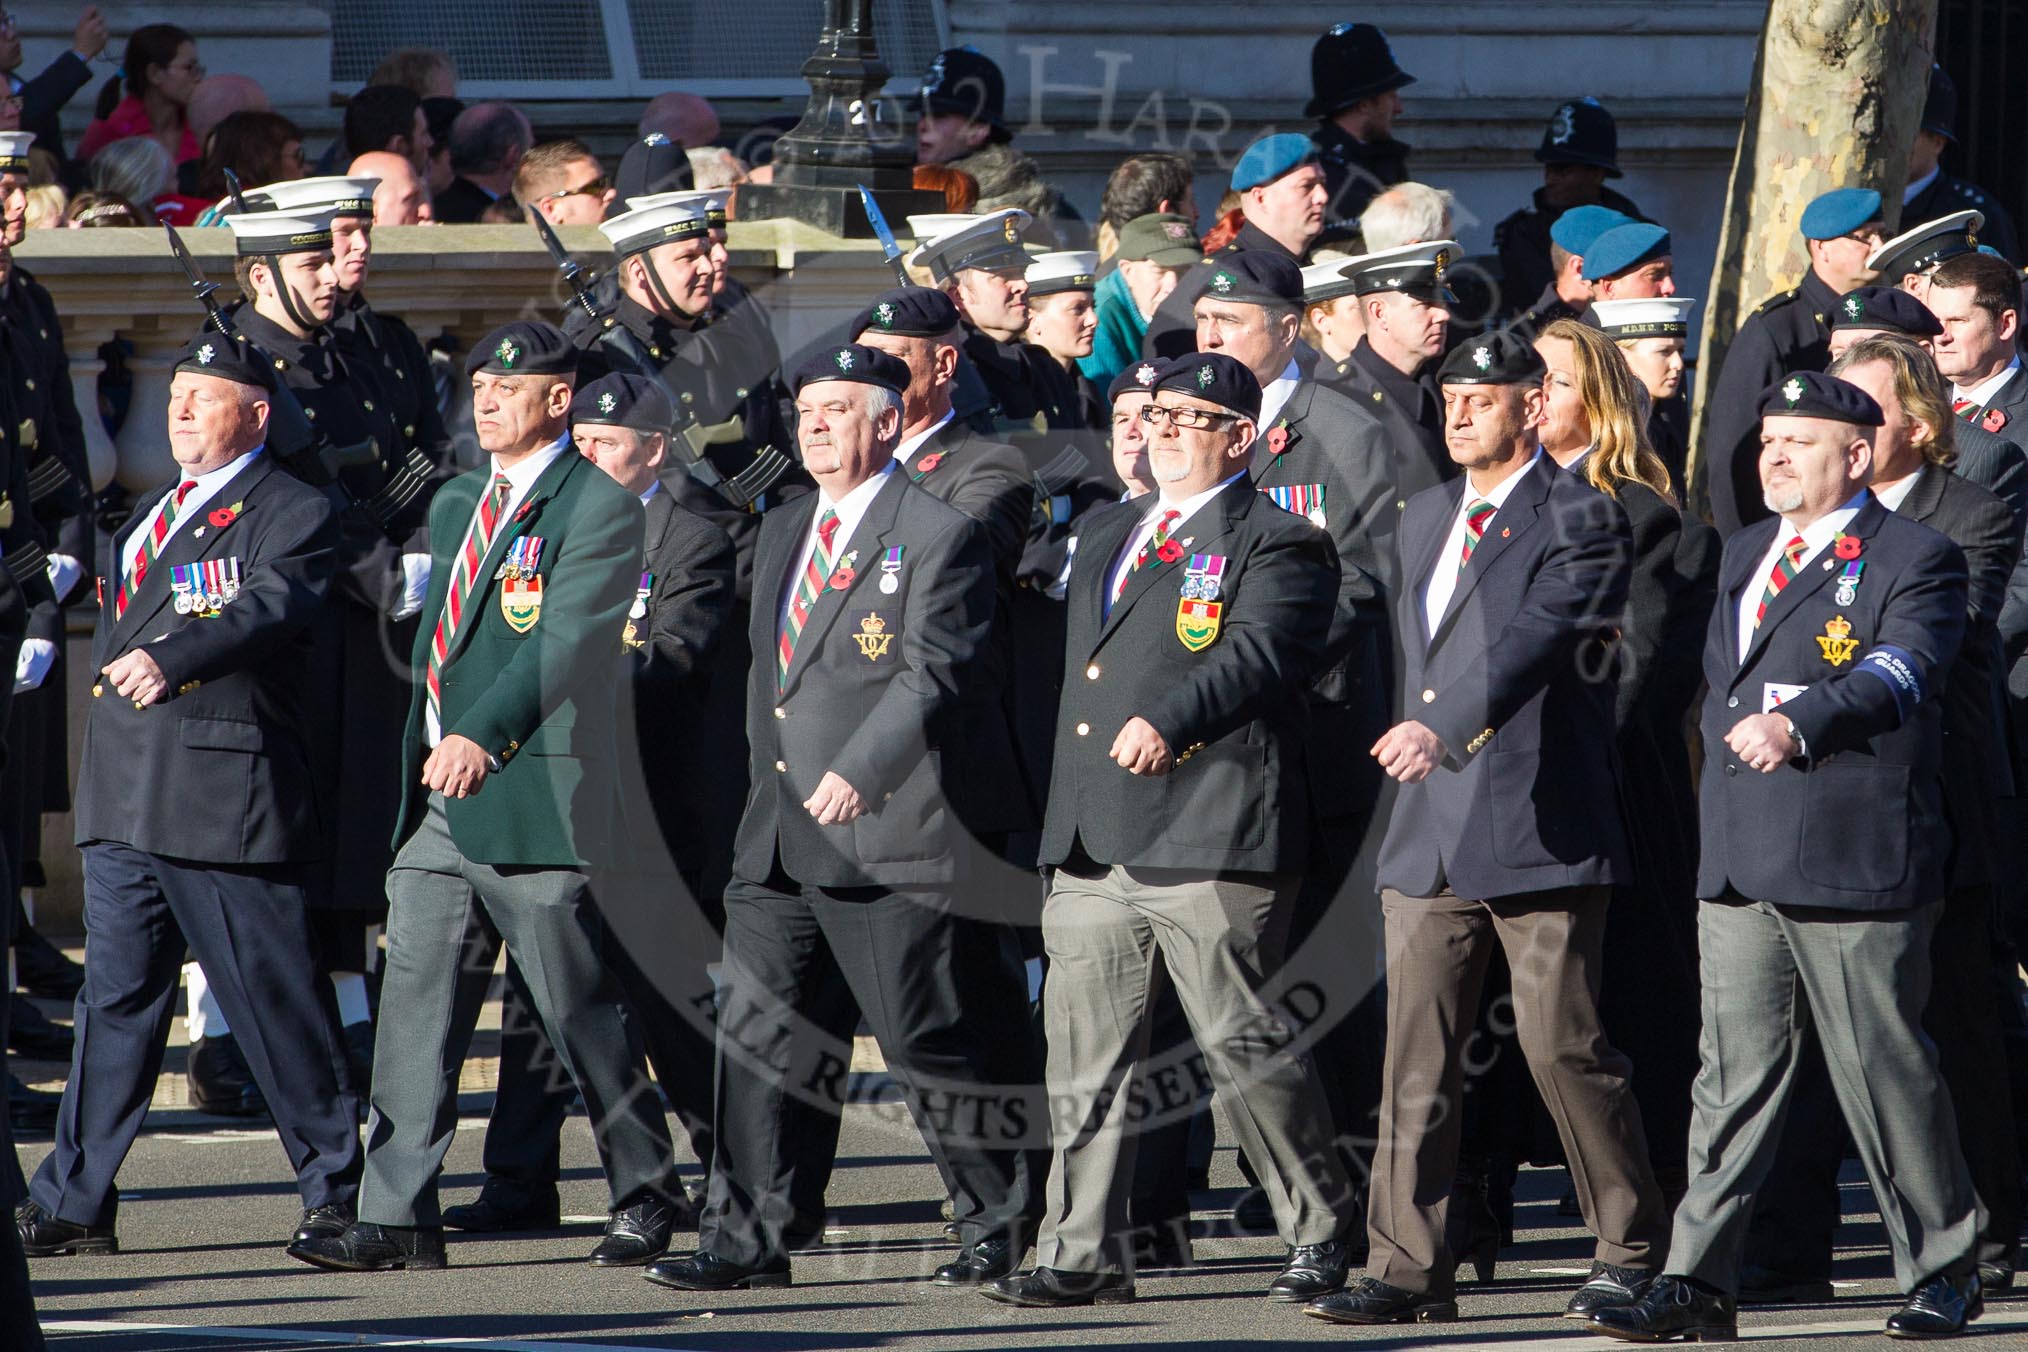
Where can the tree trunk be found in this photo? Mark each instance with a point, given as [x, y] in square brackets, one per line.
[1835, 101]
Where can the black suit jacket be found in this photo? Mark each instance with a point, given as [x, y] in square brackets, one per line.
[43, 98]
[1422, 461]
[666, 787]
[1791, 332]
[1976, 766]
[462, 203]
[218, 771]
[1858, 823]
[1517, 680]
[1323, 448]
[877, 681]
[1231, 712]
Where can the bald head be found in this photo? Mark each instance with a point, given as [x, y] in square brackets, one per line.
[401, 198]
[489, 139]
[218, 97]
[686, 119]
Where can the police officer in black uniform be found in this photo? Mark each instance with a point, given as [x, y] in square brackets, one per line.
[1354, 82]
[1934, 192]
[1579, 152]
[1790, 332]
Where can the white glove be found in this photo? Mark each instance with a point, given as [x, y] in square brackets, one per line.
[64, 572]
[37, 655]
[415, 569]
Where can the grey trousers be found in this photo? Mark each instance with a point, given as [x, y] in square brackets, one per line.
[1437, 952]
[1219, 939]
[1862, 978]
[446, 920]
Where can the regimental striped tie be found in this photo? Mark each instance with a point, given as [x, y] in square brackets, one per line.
[1476, 517]
[1965, 409]
[808, 588]
[477, 542]
[1149, 547]
[1785, 569]
[151, 544]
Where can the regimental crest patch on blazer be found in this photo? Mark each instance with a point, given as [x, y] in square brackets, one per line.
[1837, 641]
[1197, 622]
[521, 602]
[873, 638]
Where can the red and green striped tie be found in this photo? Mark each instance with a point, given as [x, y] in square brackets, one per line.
[1785, 569]
[151, 544]
[1476, 517]
[815, 574]
[477, 542]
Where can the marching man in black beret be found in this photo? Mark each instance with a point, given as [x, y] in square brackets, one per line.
[1825, 849]
[1176, 829]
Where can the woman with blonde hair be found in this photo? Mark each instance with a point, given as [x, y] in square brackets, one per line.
[1653, 332]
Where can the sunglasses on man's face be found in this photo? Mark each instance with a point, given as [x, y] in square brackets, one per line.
[594, 188]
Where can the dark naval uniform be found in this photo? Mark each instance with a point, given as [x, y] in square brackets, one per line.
[1789, 333]
[1409, 408]
[1522, 241]
[1946, 194]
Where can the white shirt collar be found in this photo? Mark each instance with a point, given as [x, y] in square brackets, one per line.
[654, 487]
[523, 473]
[1982, 393]
[211, 481]
[1920, 186]
[1892, 495]
[1275, 395]
[1190, 506]
[910, 445]
[1499, 492]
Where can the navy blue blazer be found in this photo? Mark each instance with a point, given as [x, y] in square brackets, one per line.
[1857, 823]
[1519, 681]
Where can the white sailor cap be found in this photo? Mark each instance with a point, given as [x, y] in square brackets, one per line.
[337, 194]
[990, 242]
[932, 224]
[1326, 279]
[712, 201]
[1647, 317]
[1066, 270]
[643, 228]
[14, 151]
[270, 232]
[1927, 245]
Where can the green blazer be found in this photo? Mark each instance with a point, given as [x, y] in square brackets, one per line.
[539, 701]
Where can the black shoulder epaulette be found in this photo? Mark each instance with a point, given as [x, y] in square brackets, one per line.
[1779, 298]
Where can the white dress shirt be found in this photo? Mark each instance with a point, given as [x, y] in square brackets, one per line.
[1443, 578]
[521, 477]
[1275, 395]
[1982, 393]
[1145, 532]
[1816, 537]
[910, 445]
[850, 509]
[190, 513]
[1892, 495]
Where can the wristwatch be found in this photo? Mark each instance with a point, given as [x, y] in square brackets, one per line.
[1802, 747]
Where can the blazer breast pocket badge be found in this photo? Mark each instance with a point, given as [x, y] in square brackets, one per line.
[1199, 612]
[521, 602]
[873, 638]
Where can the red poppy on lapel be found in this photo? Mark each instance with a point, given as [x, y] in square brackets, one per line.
[1847, 547]
[1995, 419]
[930, 461]
[1278, 440]
[1169, 551]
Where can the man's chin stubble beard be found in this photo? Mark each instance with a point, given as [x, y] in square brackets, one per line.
[1781, 504]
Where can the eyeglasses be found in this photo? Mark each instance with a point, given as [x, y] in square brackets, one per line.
[1872, 239]
[1154, 415]
[594, 188]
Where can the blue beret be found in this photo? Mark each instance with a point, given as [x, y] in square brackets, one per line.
[850, 361]
[1623, 247]
[1270, 157]
[1141, 376]
[1812, 394]
[1576, 228]
[1887, 308]
[1255, 277]
[1498, 358]
[911, 311]
[1215, 378]
[1840, 212]
[524, 347]
[624, 399]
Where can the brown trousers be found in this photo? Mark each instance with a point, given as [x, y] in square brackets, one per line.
[1437, 952]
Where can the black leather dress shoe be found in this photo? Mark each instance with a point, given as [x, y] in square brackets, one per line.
[1050, 1289]
[30, 1109]
[502, 1207]
[44, 1236]
[987, 1261]
[635, 1234]
[1995, 1276]
[1607, 1287]
[35, 1036]
[1671, 1310]
[1767, 1286]
[220, 1083]
[366, 1247]
[44, 970]
[1313, 1270]
[1938, 1308]
[703, 1272]
[1367, 1301]
[1161, 1247]
[325, 1222]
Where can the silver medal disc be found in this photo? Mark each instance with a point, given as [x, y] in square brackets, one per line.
[890, 584]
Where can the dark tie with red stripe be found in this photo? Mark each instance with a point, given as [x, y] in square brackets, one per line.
[477, 542]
